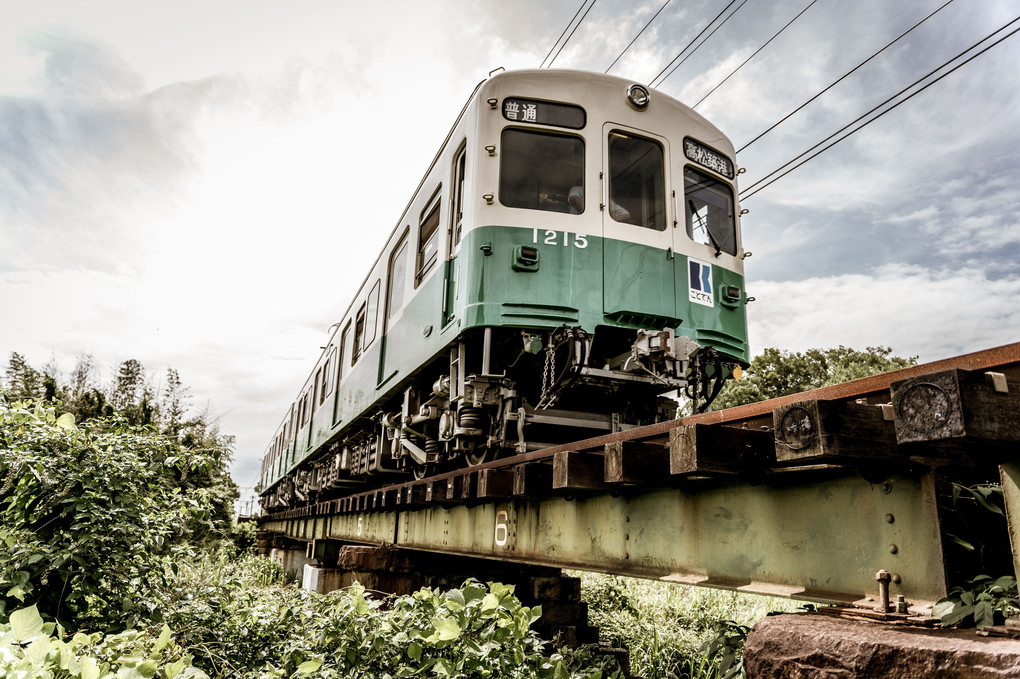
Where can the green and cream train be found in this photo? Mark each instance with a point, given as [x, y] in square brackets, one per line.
[571, 257]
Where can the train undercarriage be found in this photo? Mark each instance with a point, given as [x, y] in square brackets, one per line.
[502, 391]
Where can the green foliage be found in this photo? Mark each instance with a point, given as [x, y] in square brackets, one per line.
[673, 630]
[982, 602]
[775, 373]
[31, 649]
[90, 516]
[240, 620]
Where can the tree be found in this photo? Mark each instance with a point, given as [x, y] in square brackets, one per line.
[173, 404]
[22, 381]
[775, 373]
[89, 515]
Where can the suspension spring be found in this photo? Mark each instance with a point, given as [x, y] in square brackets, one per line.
[471, 418]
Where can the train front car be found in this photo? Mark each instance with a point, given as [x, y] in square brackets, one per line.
[571, 257]
[604, 259]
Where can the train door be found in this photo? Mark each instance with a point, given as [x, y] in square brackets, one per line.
[455, 231]
[638, 228]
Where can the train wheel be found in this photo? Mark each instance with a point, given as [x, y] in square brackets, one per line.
[420, 471]
[477, 456]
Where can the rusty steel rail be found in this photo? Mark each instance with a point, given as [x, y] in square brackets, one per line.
[805, 496]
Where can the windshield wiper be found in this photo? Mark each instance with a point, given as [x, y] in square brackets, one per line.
[703, 225]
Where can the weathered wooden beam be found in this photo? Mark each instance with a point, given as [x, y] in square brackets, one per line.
[696, 449]
[532, 479]
[834, 432]
[435, 491]
[578, 471]
[468, 486]
[495, 483]
[411, 495]
[962, 408]
[636, 462]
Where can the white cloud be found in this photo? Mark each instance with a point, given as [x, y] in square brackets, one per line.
[932, 314]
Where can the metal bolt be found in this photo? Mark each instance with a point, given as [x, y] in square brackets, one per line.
[901, 604]
[893, 549]
[883, 579]
[889, 518]
[886, 488]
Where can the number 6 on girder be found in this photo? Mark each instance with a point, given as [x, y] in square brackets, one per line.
[502, 532]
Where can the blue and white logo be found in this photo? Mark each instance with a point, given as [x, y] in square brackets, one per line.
[701, 282]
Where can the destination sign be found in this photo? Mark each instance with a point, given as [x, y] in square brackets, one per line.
[543, 113]
[706, 157]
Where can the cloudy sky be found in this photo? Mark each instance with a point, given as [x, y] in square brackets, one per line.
[202, 185]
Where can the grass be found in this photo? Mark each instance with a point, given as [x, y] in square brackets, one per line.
[664, 625]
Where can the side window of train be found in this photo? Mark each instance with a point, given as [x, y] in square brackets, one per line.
[365, 323]
[637, 193]
[457, 213]
[315, 386]
[709, 207]
[397, 278]
[428, 238]
[343, 348]
[541, 171]
[327, 375]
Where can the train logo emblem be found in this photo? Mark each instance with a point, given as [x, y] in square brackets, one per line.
[701, 282]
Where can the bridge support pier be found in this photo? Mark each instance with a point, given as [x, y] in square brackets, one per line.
[820, 646]
[401, 571]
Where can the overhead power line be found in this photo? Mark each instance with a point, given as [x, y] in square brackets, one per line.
[790, 166]
[842, 77]
[657, 80]
[809, 5]
[569, 36]
[636, 37]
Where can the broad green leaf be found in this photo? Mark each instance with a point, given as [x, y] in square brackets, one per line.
[26, 623]
[984, 615]
[446, 628]
[309, 666]
[414, 651]
[90, 669]
[164, 639]
[66, 421]
[490, 602]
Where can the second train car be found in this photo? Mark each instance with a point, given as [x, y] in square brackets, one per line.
[571, 256]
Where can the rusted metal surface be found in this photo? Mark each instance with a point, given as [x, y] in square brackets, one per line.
[810, 508]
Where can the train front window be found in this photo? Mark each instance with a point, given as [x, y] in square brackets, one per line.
[709, 207]
[541, 171]
[637, 193]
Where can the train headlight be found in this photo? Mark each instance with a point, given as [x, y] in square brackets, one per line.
[638, 97]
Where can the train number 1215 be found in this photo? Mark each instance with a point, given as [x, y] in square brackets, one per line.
[550, 237]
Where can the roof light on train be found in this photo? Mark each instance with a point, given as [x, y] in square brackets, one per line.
[638, 97]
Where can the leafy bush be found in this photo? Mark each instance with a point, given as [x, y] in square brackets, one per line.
[674, 630]
[236, 628]
[91, 516]
[31, 649]
[982, 602]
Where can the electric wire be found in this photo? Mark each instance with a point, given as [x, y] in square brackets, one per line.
[779, 173]
[809, 6]
[660, 78]
[565, 29]
[842, 77]
[571, 35]
[636, 37]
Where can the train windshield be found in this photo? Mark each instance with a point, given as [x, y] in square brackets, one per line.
[637, 192]
[541, 171]
[709, 207]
